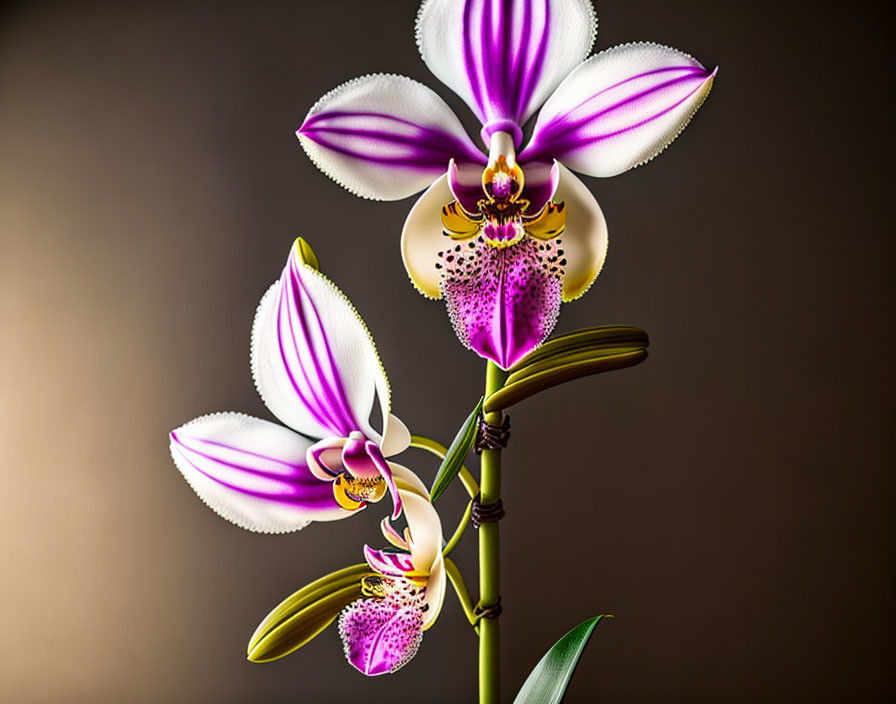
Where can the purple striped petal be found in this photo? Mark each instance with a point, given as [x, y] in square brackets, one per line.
[384, 137]
[253, 473]
[619, 109]
[313, 359]
[391, 564]
[504, 57]
[503, 302]
[380, 635]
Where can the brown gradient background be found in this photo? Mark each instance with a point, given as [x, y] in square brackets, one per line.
[729, 500]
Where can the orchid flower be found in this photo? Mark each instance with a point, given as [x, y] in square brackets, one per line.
[382, 631]
[485, 235]
[317, 370]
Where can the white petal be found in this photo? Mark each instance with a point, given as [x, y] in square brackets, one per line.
[384, 137]
[422, 238]
[425, 530]
[619, 109]
[253, 473]
[504, 58]
[435, 592]
[585, 239]
[313, 359]
[407, 481]
[396, 437]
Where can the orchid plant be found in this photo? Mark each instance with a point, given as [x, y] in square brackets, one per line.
[504, 233]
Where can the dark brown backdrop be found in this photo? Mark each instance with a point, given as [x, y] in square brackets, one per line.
[729, 500]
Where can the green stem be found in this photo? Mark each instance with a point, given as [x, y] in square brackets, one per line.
[459, 531]
[489, 556]
[439, 450]
[463, 596]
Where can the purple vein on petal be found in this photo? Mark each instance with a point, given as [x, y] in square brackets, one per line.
[329, 382]
[426, 148]
[506, 42]
[491, 58]
[470, 62]
[336, 389]
[224, 446]
[332, 405]
[311, 404]
[392, 564]
[557, 136]
[689, 71]
[533, 72]
[518, 71]
[608, 135]
[310, 494]
[502, 68]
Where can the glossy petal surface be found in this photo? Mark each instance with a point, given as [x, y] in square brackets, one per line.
[504, 57]
[425, 529]
[584, 241]
[422, 238]
[435, 592]
[396, 437]
[619, 109]
[384, 137]
[313, 359]
[252, 472]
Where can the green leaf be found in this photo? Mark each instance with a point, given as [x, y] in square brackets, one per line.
[302, 616]
[561, 370]
[547, 683]
[586, 338]
[456, 454]
[574, 356]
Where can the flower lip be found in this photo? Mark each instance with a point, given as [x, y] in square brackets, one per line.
[382, 631]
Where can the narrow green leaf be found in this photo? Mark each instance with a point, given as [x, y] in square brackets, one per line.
[457, 453]
[515, 392]
[596, 337]
[547, 683]
[304, 614]
[570, 357]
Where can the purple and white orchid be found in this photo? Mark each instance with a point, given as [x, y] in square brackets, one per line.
[317, 370]
[486, 233]
[382, 631]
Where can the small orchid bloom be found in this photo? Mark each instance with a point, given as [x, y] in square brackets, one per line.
[485, 235]
[317, 370]
[382, 631]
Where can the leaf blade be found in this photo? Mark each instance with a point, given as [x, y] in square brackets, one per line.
[598, 336]
[457, 453]
[521, 390]
[570, 357]
[304, 614]
[547, 682]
